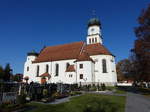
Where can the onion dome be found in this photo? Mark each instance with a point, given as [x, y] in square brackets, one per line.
[32, 53]
[94, 21]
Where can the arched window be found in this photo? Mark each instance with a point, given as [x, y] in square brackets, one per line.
[95, 40]
[57, 70]
[90, 41]
[104, 66]
[47, 68]
[37, 71]
[67, 65]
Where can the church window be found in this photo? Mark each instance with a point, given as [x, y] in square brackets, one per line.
[90, 41]
[70, 75]
[95, 40]
[47, 68]
[37, 71]
[57, 70]
[81, 76]
[104, 66]
[27, 68]
[81, 66]
[67, 65]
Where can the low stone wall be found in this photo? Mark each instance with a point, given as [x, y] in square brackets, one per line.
[124, 84]
[96, 83]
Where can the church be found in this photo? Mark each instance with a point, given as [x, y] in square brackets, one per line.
[81, 62]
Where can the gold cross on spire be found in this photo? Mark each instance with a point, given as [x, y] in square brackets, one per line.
[93, 13]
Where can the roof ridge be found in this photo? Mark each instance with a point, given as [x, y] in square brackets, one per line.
[65, 44]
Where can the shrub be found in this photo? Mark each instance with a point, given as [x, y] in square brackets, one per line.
[21, 99]
[72, 93]
[103, 87]
[55, 95]
[93, 88]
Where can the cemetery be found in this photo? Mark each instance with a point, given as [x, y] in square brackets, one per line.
[17, 94]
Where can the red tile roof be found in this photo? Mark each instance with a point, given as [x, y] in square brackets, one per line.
[70, 68]
[96, 49]
[60, 52]
[45, 75]
[84, 57]
[71, 51]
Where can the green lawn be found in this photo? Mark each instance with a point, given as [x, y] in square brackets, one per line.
[117, 90]
[85, 103]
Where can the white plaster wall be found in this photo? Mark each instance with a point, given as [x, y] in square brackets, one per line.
[91, 72]
[86, 71]
[54, 79]
[99, 39]
[70, 80]
[110, 76]
[92, 34]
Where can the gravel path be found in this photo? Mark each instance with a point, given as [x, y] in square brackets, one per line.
[137, 103]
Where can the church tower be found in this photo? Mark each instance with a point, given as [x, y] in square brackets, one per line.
[94, 32]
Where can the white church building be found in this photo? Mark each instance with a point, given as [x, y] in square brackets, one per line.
[81, 62]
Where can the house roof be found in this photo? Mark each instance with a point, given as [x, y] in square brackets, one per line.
[84, 57]
[96, 49]
[71, 51]
[45, 75]
[70, 68]
[60, 52]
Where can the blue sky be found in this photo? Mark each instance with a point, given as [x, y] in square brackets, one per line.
[31, 24]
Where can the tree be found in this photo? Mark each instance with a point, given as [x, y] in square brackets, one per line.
[1, 73]
[141, 49]
[7, 72]
[124, 69]
[17, 77]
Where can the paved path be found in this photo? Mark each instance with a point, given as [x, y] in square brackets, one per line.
[58, 101]
[107, 93]
[137, 103]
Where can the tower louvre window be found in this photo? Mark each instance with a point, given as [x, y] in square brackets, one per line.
[37, 71]
[47, 68]
[57, 70]
[104, 66]
[27, 68]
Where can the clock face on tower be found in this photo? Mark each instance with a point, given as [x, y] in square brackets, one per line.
[92, 29]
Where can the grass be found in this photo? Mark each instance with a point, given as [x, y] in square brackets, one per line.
[118, 90]
[84, 103]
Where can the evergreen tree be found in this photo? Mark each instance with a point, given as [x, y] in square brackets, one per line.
[7, 72]
[1, 73]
